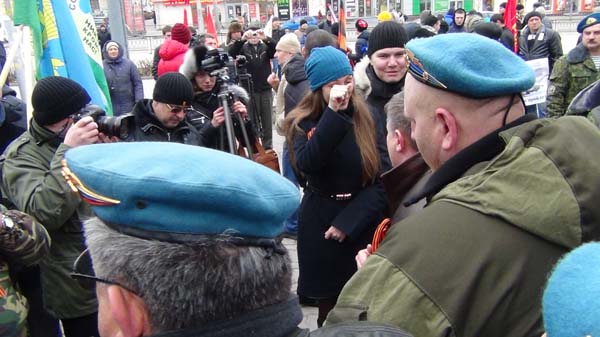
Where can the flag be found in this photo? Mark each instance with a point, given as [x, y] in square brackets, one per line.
[510, 21]
[342, 23]
[269, 27]
[185, 19]
[66, 43]
[210, 25]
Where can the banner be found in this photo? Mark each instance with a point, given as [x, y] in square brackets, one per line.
[537, 93]
[342, 22]
[510, 21]
[66, 43]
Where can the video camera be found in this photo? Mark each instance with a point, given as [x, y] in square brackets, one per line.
[215, 59]
[110, 126]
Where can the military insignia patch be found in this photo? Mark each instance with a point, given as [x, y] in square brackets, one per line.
[589, 21]
[551, 90]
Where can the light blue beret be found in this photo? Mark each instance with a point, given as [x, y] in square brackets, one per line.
[590, 20]
[177, 193]
[570, 303]
[472, 65]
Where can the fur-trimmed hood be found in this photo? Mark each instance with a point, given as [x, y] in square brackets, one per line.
[362, 83]
[192, 61]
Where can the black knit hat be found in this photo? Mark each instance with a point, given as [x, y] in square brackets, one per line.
[387, 34]
[56, 98]
[530, 15]
[173, 88]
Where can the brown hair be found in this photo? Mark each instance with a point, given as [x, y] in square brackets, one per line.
[312, 107]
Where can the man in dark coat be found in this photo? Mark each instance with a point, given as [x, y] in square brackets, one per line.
[500, 200]
[162, 118]
[507, 38]
[458, 21]
[538, 41]
[258, 49]
[180, 261]
[103, 35]
[382, 74]
[327, 23]
[362, 40]
[166, 32]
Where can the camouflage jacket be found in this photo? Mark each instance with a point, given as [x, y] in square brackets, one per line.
[23, 242]
[32, 180]
[570, 75]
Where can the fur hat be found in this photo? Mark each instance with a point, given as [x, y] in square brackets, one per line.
[56, 98]
[289, 43]
[530, 15]
[181, 33]
[192, 62]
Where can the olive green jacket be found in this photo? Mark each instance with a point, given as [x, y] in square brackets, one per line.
[32, 180]
[23, 242]
[571, 74]
[501, 212]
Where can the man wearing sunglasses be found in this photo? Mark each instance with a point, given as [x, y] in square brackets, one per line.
[162, 118]
[509, 194]
[170, 256]
[32, 181]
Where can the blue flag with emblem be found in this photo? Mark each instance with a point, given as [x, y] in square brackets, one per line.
[66, 43]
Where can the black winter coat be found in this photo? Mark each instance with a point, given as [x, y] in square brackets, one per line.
[330, 160]
[146, 128]
[259, 60]
[124, 82]
[547, 45]
[362, 43]
[297, 82]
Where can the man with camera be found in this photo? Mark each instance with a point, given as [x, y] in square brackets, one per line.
[162, 118]
[258, 49]
[33, 182]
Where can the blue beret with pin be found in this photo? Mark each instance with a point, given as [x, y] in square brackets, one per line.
[570, 305]
[180, 193]
[590, 20]
[469, 65]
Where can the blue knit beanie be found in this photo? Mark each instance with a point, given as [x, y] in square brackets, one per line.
[325, 65]
[570, 303]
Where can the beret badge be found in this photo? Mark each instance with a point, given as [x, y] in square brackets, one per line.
[590, 21]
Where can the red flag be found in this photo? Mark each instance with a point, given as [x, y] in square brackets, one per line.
[185, 20]
[342, 23]
[210, 25]
[510, 21]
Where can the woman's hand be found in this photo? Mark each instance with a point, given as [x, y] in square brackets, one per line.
[362, 256]
[339, 97]
[240, 108]
[334, 234]
[218, 117]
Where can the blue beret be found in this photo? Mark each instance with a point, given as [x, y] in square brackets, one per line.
[324, 65]
[470, 65]
[570, 304]
[180, 193]
[589, 20]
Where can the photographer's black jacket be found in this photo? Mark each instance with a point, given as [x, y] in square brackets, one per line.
[146, 128]
[204, 104]
[259, 60]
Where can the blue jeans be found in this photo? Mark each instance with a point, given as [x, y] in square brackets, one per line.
[291, 223]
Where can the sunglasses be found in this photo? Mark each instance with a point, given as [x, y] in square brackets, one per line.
[416, 69]
[175, 108]
[85, 276]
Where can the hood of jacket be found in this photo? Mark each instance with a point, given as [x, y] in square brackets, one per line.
[108, 59]
[294, 70]
[544, 181]
[362, 83]
[171, 49]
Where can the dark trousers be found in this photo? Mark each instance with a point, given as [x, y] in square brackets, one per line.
[39, 322]
[261, 104]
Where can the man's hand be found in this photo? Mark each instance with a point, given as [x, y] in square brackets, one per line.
[273, 81]
[335, 234]
[218, 117]
[84, 132]
[102, 138]
[362, 256]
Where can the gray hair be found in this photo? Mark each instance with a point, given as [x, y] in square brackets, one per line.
[188, 285]
[396, 120]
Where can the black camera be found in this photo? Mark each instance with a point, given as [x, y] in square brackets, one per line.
[215, 59]
[110, 126]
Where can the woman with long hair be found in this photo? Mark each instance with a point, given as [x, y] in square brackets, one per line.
[333, 147]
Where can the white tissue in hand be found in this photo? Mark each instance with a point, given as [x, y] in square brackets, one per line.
[338, 91]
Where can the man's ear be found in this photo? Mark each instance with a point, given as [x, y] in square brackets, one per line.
[400, 141]
[448, 124]
[128, 311]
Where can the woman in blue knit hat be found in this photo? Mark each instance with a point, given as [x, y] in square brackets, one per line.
[334, 150]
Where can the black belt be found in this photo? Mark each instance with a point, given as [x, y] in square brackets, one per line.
[334, 196]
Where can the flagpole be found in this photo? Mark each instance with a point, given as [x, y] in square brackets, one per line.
[11, 57]
[29, 69]
[201, 25]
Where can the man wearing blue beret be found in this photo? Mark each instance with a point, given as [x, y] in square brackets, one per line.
[576, 70]
[509, 194]
[188, 243]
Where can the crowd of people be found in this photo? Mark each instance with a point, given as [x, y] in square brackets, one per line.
[425, 196]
